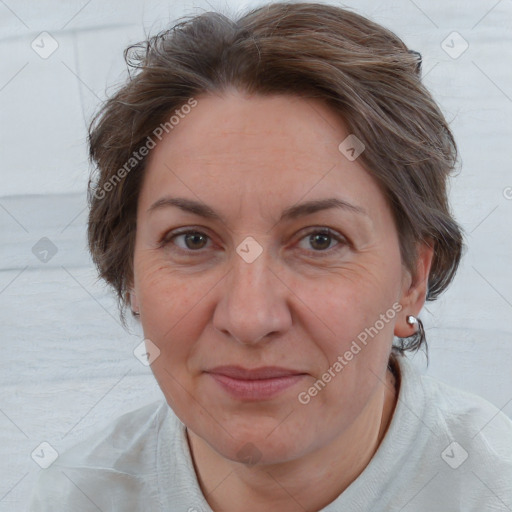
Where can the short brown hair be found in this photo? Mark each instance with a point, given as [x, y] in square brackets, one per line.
[360, 69]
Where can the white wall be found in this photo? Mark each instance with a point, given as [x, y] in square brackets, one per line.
[67, 365]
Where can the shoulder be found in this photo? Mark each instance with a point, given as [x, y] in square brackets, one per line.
[122, 443]
[467, 415]
[463, 439]
[117, 461]
[452, 409]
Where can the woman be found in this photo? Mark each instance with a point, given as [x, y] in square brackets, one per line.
[298, 148]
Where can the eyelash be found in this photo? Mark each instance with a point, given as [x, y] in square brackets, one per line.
[168, 237]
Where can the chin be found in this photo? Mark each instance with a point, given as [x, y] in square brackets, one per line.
[253, 446]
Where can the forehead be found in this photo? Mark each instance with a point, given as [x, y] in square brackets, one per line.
[254, 130]
[269, 151]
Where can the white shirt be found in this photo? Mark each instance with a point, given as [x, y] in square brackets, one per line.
[445, 450]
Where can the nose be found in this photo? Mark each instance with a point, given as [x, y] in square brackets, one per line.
[253, 305]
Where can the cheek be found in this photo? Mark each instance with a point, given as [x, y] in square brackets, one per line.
[353, 299]
[168, 302]
[360, 318]
[170, 314]
[161, 288]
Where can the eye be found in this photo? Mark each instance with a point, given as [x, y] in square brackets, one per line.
[321, 238]
[192, 240]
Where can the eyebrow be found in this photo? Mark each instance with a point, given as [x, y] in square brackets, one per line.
[293, 212]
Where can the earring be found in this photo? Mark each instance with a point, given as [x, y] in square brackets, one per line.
[411, 320]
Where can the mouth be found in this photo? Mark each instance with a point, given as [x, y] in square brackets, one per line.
[255, 384]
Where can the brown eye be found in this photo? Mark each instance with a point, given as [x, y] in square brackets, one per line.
[191, 241]
[321, 241]
[194, 240]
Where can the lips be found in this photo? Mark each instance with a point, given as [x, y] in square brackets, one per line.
[267, 372]
[255, 384]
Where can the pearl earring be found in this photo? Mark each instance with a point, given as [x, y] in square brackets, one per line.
[411, 320]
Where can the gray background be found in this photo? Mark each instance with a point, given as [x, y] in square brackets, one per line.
[68, 366]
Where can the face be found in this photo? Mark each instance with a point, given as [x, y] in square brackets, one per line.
[263, 281]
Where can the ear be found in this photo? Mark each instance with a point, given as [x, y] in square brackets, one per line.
[414, 289]
[134, 303]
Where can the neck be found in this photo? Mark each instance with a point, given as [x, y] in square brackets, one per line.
[307, 484]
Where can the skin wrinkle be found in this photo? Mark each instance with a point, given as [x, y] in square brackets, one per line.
[201, 312]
